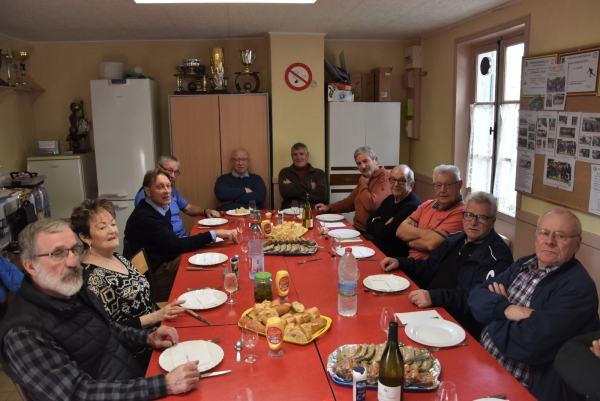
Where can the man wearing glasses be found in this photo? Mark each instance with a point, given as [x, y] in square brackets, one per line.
[382, 225]
[58, 342]
[436, 219]
[239, 187]
[170, 166]
[536, 305]
[462, 261]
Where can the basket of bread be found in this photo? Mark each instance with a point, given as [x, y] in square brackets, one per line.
[422, 374]
[301, 325]
[290, 246]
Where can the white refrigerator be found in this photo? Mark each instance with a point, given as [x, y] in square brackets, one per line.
[126, 140]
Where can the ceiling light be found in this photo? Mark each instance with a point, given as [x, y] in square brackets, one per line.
[227, 1]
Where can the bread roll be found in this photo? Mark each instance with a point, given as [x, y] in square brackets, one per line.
[289, 319]
[294, 333]
[261, 329]
[313, 313]
[301, 318]
[312, 327]
[297, 307]
[282, 309]
[266, 314]
[275, 303]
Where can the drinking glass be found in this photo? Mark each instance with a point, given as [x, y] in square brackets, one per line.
[241, 226]
[334, 244]
[244, 394]
[321, 224]
[252, 206]
[230, 284]
[446, 392]
[295, 209]
[250, 338]
[387, 316]
[244, 246]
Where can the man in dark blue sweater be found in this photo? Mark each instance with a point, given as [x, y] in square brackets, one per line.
[239, 187]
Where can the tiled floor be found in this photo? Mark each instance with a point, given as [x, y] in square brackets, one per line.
[8, 392]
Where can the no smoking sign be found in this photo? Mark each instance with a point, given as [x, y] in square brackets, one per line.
[298, 76]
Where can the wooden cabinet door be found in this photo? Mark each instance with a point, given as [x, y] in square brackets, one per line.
[245, 124]
[196, 143]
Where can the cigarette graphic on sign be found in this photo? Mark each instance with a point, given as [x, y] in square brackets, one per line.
[298, 76]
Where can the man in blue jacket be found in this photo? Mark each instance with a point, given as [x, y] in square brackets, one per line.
[536, 305]
[462, 261]
[238, 188]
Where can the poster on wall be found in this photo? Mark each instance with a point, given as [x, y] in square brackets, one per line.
[527, 130]
[525, 167]
[589, 138]
[546, 132]
[559, 172]
[556, 88]
[583, 71]
[567, 136]
[594, 205]
[534, 74]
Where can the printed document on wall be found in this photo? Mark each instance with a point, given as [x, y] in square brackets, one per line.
[589, 138]
[559, 172]
[525, 167]
[535, 74]
[556, 87]
[568, 133]
[545, 141]
[594, 206]
[527, 130]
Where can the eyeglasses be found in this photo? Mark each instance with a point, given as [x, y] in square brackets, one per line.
[558, 236]
[241, 160]
[448, 186]
[170, 171]
[481, 218]
[61, 254]
[394, 181]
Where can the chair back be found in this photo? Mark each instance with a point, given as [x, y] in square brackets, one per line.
[22, 392]
[140, 261]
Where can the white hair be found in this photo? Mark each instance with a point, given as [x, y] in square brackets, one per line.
[447, 168]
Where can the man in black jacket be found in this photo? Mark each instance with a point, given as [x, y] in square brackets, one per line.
[58, 342]
[462, 261]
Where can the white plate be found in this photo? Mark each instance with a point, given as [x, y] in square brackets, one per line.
[490, 399]
[233, 213]
[435, 332]
[289, 211]
[344, 233]
[213, 221]
[207, 259]
[194, 349]
[357, 251]
[386, 283]
[330, 217]
[205, 298]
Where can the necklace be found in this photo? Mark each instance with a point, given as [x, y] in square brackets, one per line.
[119, 265]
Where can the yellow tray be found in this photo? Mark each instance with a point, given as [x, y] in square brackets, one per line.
[314, 336]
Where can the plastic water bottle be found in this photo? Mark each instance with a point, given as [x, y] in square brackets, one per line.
[256, 252]
[347, 284]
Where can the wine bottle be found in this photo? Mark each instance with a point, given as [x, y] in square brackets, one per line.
[390, 386]
[307, 220]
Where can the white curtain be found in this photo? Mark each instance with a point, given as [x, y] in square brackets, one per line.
[506, 162]
[479, 162]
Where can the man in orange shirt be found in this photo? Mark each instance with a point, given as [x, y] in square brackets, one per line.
[437, 218]
[373, 187]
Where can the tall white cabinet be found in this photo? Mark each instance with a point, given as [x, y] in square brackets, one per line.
[70, 179]
[351, 125]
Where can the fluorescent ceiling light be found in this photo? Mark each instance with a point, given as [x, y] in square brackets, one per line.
[227, 1]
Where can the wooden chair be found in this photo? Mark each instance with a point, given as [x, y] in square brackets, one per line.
[140, 261]
[22, 392]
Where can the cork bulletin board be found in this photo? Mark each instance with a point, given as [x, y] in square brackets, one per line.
[588, 102]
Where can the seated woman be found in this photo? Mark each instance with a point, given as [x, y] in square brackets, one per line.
[124, 292]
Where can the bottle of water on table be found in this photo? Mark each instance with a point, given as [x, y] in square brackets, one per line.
[256, 252]
[347, 284]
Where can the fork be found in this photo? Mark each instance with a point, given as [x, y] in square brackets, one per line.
[382, 294]
[308, 260]
[214, 340]
[435, 349]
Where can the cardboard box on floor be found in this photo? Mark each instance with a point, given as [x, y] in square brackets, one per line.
[383, 84]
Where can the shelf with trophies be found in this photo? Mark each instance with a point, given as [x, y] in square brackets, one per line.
[16, 82]
[247, 56]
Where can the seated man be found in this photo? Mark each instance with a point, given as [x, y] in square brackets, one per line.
[59, 343]
[170, 165]
[239, 187]
[302, 178]
[373, 187]
[578, 362]
[149, 227]
[382, 225]
[462, 261]
[437, 218]
[536, 305]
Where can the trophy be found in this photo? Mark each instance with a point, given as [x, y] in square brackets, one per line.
[247, 59]
[23, 56]
[8, 57]
[217, 67]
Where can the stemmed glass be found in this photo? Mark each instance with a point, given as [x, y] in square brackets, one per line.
[244, 394]
[251, 206]
[244, 246]
[321, 224]
[295, 209]
[241, 226]
[250, 338]
[446, 392]
[334, 244]
[387, 316]
[230, 284]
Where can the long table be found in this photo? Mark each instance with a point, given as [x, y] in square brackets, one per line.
[301, 373]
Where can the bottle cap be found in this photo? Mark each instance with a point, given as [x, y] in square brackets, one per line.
[263, 275]
[348, 249]
[254, 221]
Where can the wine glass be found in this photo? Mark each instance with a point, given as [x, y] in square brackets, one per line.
[295, 209]
[334, 244]
[241, 226]
[250, 338]
[321, 224]
[244, 394]
[230, 284]
[251, 206]
[387, 316]
[244, 246]
[446, 392]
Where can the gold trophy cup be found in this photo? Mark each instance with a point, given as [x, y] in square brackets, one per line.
[23, 56]
[217, 67]
[247, 56]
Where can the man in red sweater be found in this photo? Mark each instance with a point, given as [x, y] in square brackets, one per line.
[373, 187]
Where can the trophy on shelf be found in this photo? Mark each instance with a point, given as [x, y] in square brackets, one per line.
[8, 57]
[23, 56]
[247, 56]
[217, 68]
[78, 137]
[193, 72]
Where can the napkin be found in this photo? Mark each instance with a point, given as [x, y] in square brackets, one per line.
[191, 351]
[333, 225]
[199, 299]
[411, 317]
[385, 282]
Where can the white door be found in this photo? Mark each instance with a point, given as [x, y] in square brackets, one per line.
[123, 210]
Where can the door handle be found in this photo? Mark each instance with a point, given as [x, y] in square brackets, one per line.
[113, 195]
[121, 207]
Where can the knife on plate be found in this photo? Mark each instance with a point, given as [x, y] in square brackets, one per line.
[222, 372]
[197, 316]
[201, 268]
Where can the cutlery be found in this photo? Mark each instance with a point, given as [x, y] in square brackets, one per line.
[205, 288]
[382, 293]
[197, 316]
[238, 347]
[308, 260]
[214, 340]
[201, 268]
[436, 349]
[203, 375]
[368, 259]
